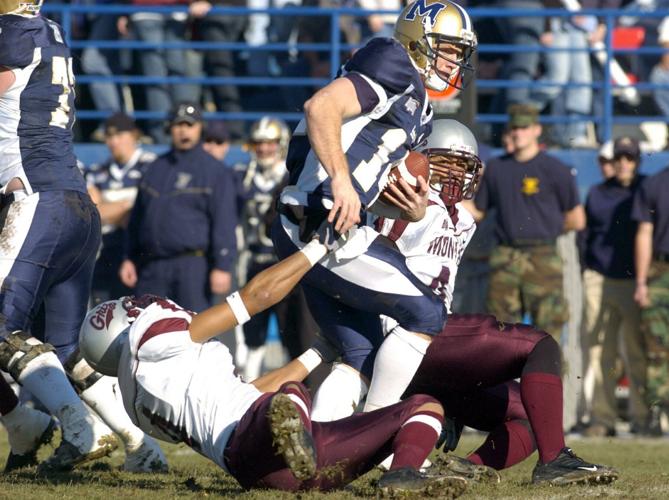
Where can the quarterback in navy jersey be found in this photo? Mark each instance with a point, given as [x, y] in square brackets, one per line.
[355, 129]
[50, 233]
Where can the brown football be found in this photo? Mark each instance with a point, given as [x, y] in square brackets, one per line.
[414, 165]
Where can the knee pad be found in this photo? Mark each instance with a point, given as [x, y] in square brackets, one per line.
[19, 348]
[80, 372]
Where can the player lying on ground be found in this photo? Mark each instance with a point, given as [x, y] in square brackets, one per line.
[472, 363]
[179, 387]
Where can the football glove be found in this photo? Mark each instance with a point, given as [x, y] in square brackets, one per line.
[450, 435]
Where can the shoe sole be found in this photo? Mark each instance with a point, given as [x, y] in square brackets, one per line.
[108, 443]
[475, 473]
[15, 462]
[290, 439]
[592, 478]
[442, 487]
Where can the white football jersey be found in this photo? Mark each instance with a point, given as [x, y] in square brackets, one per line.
[434, 245]
[177, 390]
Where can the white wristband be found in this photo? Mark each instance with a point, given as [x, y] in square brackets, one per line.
[238, 308]
[314, 251]
[310, 359]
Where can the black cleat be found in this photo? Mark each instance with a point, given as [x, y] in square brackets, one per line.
[290, 438]
[567, 468]
[452, 464]
[15, 462]
[406, 482]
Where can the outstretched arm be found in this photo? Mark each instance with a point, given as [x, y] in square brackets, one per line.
[263, 291]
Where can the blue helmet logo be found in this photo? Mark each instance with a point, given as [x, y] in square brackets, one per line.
[421, 9]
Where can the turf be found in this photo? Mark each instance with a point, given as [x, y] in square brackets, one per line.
[643, 464]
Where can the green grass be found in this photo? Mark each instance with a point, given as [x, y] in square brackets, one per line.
[643, 464]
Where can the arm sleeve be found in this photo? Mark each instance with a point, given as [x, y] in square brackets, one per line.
[482, 200]
[643, 204]
[132, 232]
[17, 47]
[567, 189]
[223, 212]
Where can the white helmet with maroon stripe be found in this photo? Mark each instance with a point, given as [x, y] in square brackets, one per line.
[103, 333]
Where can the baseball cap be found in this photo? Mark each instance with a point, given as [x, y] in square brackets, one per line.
[185, 112]
[522, 115]
[626, 146]
[606, 151]
[119, 122]
[217, 132]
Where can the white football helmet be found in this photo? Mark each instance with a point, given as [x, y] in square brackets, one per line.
[269, 129]
[103, 333]
[25, 8]
[455, 167]
[426, 28]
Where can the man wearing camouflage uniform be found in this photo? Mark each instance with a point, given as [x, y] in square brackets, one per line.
[536, 200]
[651, 210]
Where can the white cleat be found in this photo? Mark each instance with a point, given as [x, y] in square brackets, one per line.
[85, 438]
[147, 457]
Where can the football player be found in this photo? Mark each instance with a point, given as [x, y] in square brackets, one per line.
[180, 387]
[354, 130]
[471, 365]
[50, 235]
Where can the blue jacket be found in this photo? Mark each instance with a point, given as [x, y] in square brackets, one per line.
[186, 203]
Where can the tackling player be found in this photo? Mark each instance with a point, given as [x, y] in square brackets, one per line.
[354, 130]
[179, 387]
[50, 235]
[470, 367]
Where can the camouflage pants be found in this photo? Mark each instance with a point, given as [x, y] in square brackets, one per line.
[655, 326]
[528, 281]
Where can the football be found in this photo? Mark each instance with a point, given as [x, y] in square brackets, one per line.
[414, 165]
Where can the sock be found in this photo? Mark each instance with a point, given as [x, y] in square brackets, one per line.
[541, 394]
[253, 365]
[8, 399]
[300, 397]
[395, 365]
[24, 428]
[45, 378]
[508, 444]
[339, 394]
[104, 397]
[416, 439]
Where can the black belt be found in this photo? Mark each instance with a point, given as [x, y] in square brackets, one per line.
[661, 257]
[529, 243]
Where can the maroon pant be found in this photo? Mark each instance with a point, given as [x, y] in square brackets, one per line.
[346, 449]
[470, 367]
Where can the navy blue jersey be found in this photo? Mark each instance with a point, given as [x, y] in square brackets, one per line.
[531, 197]
[37, 111]
[396, 117]
[609, 235]
[651, 204]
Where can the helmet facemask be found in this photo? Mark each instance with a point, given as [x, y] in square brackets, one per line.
[455, 175]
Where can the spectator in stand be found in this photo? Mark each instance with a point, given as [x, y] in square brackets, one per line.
[611, 316]
[660, 73]
[221, 28]
[216, 140]
[605, 160]
[156, 28]
[181, 236]
[112, 186]
[379, 24]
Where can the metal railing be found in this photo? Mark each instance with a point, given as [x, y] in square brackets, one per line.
[68, 13]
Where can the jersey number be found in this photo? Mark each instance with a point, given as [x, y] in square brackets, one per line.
[62, 75]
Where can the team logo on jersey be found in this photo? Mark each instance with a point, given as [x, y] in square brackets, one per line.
[530, 186]
[183, 179]
[411, 105]
[421, 9]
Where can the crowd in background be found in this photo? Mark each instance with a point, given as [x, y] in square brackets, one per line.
[572, 68]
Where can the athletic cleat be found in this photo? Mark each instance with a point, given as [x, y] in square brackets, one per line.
[408, 482]
[567, 468]
[29, 459]
[290, 438]
[462, 467]
[84, 439]
[147, 457]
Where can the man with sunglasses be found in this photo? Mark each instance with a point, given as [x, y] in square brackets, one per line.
[181, 234]
[611, 315]
[536, 200]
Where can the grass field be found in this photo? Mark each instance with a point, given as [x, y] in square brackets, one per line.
[643, 464]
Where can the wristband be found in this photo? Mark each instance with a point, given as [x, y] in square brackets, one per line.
[238, 308]
[310, 359]
[314, 251]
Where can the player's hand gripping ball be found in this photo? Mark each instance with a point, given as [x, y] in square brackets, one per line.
[414, 165]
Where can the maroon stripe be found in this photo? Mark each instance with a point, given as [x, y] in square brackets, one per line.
[163, 326]
[397, 230]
